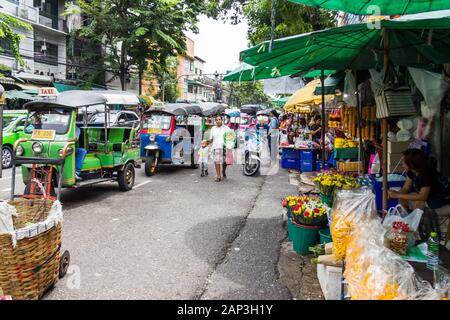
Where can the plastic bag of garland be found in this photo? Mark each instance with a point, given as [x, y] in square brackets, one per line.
[351, 208]
[401, 227]
[374, 272]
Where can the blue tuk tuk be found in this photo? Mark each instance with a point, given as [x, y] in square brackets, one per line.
[170, 136]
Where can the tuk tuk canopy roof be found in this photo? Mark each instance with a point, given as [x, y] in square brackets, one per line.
[251, 109]
[414, 40]
[210, 109]
[386, 7]
[70, 99]
[180, 109]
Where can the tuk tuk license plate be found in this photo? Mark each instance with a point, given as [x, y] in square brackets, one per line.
[154, 131]
[48, 135]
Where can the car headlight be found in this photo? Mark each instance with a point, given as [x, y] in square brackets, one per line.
[19, 151]
[37, 147]
[152, 138]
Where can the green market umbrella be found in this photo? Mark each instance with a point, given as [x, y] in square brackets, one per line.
[247, 72]
[386, 7]
[317, 73]
[281, 101]
[416, 41]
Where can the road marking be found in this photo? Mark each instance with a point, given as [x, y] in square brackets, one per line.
[142, 184]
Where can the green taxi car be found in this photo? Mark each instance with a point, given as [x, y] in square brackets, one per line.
[53, 136]
[13, 126]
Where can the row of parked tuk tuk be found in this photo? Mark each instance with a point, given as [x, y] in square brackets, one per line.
[54, 130]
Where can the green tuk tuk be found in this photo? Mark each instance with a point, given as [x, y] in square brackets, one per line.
[54, 138]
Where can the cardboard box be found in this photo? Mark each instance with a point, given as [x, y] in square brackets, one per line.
[398, 147]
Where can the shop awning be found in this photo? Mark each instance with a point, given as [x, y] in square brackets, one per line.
[61, 87]
[16, 94]
[332, 84]
[415, 40]
[7, 80]
[306, 97]
[386, 7]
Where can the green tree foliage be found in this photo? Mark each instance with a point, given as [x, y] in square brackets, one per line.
[248, 92]
[290, 18]
[11, 37]
[136, 31]
[166, 77]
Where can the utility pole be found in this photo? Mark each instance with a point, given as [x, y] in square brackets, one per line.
[163, 86]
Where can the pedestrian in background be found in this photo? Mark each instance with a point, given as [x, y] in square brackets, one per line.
[217, 142]
[273, 129]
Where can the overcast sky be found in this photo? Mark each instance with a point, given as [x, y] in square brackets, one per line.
[219, 44]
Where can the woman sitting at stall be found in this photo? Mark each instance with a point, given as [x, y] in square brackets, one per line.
[423, 181]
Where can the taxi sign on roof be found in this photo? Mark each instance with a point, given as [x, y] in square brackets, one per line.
[48, 92]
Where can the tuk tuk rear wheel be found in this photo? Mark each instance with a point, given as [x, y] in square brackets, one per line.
[150, 166]
[127, 177]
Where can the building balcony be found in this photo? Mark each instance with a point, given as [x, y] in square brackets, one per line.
[34, 16]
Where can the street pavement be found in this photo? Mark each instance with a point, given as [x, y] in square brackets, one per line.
[174, 236]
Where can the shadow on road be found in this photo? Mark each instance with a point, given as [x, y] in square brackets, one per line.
[248, 262]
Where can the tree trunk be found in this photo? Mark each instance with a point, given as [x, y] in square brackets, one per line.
[123, 68]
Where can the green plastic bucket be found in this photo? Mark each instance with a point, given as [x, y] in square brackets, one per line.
[325, 236]
[304, 237]
[289, 228]
[328, 200]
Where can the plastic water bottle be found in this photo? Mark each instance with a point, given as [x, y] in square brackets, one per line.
[433, 252]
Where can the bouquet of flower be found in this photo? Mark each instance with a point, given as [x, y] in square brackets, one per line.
[310, 211]
[330, 181]
[289, 202]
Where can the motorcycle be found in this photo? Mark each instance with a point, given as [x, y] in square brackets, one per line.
[252, 153]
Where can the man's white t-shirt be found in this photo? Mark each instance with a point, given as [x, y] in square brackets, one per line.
[218, 136]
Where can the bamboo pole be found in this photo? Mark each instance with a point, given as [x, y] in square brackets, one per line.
[322, 80]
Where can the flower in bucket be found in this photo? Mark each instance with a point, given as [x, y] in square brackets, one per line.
[328, 182]
[310, 211]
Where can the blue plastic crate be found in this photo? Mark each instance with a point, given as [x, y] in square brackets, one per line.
[290, 164]
[307, 155]
[319, 166]
[289, 153]
[378, 189]
[306, 166]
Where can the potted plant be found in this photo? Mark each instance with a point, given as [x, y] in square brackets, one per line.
[308, 216]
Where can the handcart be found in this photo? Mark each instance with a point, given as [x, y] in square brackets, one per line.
[30, 253]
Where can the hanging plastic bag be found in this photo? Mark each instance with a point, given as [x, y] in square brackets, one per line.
[229, 158]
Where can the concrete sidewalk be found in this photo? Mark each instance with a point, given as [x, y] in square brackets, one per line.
[260, 264]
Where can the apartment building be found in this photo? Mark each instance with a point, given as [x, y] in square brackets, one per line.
[43, 48]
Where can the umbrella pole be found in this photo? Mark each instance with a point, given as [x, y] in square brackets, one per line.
[384, 124]
[358, 104]
[322, 80]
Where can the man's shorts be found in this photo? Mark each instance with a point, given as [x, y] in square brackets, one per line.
[219, 156]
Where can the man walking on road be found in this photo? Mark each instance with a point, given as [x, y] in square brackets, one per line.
[273, 131]
[218, 147]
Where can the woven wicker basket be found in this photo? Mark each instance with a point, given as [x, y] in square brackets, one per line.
[31, 267]
[352, 166]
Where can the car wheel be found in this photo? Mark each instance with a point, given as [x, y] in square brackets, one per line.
[7, 156]
[127, 178]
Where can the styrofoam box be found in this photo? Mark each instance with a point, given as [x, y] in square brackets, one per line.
[330, 279]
